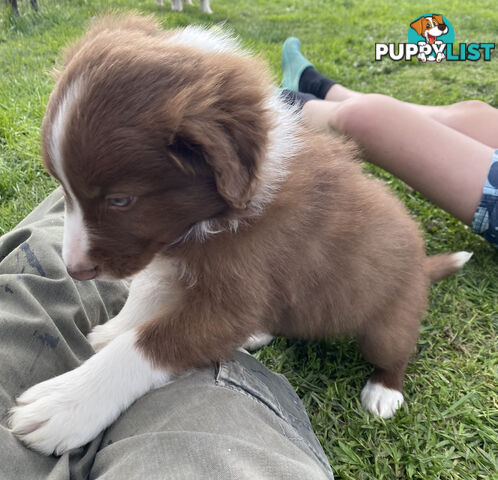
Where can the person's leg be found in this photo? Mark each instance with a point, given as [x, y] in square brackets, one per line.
[299, 74]
[238, 419]
[473, 118]
[338, 93]
[448, 167]
[45, 317]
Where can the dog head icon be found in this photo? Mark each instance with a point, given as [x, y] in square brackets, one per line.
[430, 27]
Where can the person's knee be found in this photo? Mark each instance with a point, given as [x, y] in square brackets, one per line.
[357, 115]
[457, 114]
[470, 106]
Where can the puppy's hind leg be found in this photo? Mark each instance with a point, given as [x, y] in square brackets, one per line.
[377, 398]
[387, 342]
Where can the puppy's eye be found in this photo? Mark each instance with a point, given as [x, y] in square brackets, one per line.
[120, 202]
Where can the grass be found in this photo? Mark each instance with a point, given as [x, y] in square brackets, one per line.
[448, 427]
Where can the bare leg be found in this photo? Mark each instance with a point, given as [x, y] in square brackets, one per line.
[448, 167]
[473, 118]
[338, 93]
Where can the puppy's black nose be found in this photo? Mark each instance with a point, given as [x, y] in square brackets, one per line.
[83, 274]
[442, 27]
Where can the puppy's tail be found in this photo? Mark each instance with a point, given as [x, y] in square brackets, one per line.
[438, 267]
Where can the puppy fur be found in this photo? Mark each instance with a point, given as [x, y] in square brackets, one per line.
[246, 221]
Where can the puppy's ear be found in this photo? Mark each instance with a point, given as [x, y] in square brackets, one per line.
[233, 153]
[235, 159]
[228, 122]
[419, 25]
[438, 18]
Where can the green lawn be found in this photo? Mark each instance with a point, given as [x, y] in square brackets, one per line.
[448, 427]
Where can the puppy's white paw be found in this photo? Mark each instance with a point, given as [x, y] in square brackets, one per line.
[59, 414]
[256, 341]
[381, 400]
[72, 409]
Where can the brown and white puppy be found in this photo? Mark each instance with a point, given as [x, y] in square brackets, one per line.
[182, 167]
[177, 5]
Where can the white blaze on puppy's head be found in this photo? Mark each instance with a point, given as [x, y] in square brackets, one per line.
[76, 242]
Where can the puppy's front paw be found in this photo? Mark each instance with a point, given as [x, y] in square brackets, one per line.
[56, 415]
[380, 400]
[72, 409]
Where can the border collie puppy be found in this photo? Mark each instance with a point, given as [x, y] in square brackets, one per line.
[182, 168]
